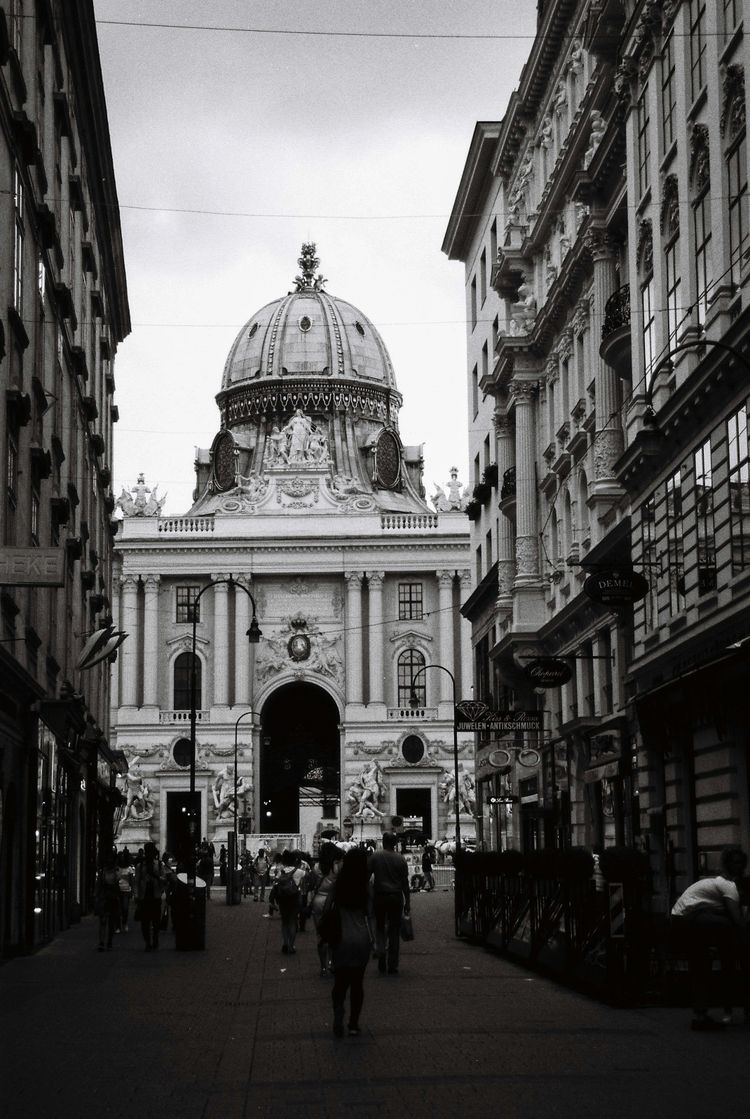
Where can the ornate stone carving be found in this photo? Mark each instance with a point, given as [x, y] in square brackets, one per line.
[505, 426]
[277, 651]
[625, 78]
[297, 489]
[506, 572]
[575, 62]
[645, 249]
[298, 443]
[457, 497]
[366, 793]
[139, 801]
[527, 555]
[141, 501]
[308, 263]
[466, 790]
[226, 793]
[598, 128]
[523, 392]
[298, 586]
[545, 132]
[700, 167]
[523, 313]
[733, 104]
[669, 214]
[253, 487]
[608, 446]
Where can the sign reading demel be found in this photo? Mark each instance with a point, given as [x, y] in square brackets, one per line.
[548, 672]
[616, 587]
[32, 567]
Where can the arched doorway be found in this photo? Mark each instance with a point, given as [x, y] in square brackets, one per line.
[299, 759]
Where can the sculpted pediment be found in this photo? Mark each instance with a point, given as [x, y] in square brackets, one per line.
[185, 641]
[410, 635]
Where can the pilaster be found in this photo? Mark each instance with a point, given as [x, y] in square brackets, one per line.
[151, 640]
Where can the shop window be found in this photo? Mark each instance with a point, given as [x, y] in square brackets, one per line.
[182, 682]
[739, 490]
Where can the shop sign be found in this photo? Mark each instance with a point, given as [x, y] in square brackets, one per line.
[32, 567]
[502, 722]
[548, 672]
[508, 798]
[616, 587]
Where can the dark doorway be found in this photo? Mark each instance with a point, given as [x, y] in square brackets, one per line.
[178, 823]
[416, 802]
[299, 751]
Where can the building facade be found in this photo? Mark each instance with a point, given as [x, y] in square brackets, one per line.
[309, 502]
[612, 202]
[63, 310]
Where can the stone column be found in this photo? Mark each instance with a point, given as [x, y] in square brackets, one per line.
[129, 648]
[506, 461]
[151, 641]
[608, 442]
[353, 637]
[447, 652]
[242, 615]
[376, 636]
[527, 537]
[221, 643]
[464, 686]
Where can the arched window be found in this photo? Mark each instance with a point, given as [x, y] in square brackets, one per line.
[409, 663]
[182, 668]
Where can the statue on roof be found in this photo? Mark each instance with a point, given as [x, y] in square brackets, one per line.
[455, 499]
[140, 501]
[308, 263]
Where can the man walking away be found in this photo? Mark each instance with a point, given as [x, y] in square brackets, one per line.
[429, 881]
[391, 897]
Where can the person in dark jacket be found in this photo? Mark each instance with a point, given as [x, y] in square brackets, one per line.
[107, 901]
[149, 892]
[351, 897]
[391, 898]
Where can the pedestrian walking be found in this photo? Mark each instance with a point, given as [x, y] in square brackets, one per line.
[149, 891]
[391, 898]
[261, 867]
[287, 898]
[273, 877]
[222, 865]
[350, 898]
[329, 862]
[205, 866]
[107, 901]
[708, 915]
[427, 868]
[125, 882]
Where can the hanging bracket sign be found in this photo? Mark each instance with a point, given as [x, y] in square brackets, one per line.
[616, 587]
[548, 672]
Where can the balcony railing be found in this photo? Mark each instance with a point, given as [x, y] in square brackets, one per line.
[508, 488]
[182, 715]
[186, 524]
[615, 343]
[411, 714]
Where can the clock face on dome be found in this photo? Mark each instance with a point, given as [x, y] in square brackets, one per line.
[387, 461]
[224, 461]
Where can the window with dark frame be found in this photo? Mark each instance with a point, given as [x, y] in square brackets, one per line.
[410, 602]
[739, 489]
[188, 610]
[644, 142]
[182, 682]
[18, 241]
[409, 663]
[474, 302]
[737, 204]
[668, 91]
[675, 543]
[697, 46]
[703, 261]
[731, 16]
[674, 280]
[649, 558]
[704, 517]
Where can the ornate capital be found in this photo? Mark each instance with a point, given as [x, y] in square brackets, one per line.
[599, 244]
[353, 580]
[376, 579]
[151, 582]
[523, 392]
[445, 578]
[220, 588]
[465, 577]
[129, 582]
[504, 425]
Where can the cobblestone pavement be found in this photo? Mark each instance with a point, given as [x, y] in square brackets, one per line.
[241, 1030]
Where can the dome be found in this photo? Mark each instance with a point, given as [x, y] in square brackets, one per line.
[308, 333]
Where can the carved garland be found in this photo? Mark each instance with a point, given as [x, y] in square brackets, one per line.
[733, 107]
[645, 251]
[700, 164]
[669, 215]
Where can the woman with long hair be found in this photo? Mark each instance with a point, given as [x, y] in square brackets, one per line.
[351, 898]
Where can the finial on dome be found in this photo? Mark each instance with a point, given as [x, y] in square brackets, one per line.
[308, 262]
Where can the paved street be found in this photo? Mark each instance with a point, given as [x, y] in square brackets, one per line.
[241, 1030]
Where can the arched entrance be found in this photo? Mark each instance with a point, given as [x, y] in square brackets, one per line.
[299, 759]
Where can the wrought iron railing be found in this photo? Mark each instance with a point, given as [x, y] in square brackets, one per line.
[508, 488]
[616, 311]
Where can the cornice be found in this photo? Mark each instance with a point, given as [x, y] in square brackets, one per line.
[477, 172]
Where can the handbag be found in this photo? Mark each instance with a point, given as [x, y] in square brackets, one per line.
[407, 928]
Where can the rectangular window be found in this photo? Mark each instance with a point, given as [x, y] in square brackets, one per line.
[485, 362]
[649, 560]
[482, 278]
[493, 242]
[488, 551]
[704, 516]
[644, 142]
[187, 608]
[473, 302]
[18, 241]
[737, 205]
[675, 544]
[739, 490]
[495, 332]
[703, 262]
[731, 15]
[475, 391]
[649, 326]
[668, 91]
[410, 605]
[697, 46]
[35, 518]
[672, 260]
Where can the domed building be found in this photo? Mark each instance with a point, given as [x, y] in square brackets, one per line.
[310, 525]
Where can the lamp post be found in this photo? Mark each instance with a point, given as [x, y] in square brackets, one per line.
[414, 702]
[253, 635]
[233, 896]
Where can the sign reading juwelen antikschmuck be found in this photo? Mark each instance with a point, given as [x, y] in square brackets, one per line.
[502, 722]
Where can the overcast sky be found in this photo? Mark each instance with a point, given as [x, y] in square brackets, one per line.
[355, 143]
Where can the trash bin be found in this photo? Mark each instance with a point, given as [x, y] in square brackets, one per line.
[189, 914]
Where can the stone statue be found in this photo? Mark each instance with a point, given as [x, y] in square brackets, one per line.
[598, 128]
[365, 793]
[523, 313]
[253, 486]
[276, 447]
[139, 803]
[454, 499]
[576, 57]
[466, 791]
[143, 502]
[298, 432]
[226, 793]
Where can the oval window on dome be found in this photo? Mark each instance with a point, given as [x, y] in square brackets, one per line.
[412, 749]
[252, 330]
[305, 323]
[387, 461]
[359, 328]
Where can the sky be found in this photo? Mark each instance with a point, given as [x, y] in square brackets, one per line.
[232, 147]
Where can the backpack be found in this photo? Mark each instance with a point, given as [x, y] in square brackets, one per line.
[286, 888]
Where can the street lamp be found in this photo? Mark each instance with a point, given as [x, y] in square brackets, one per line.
[233, 897]
[414, 702]
[253, 635]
